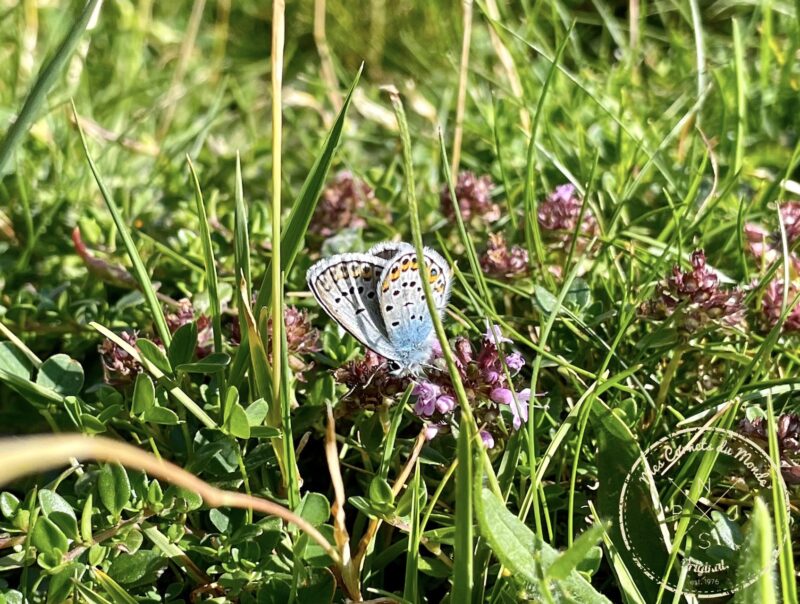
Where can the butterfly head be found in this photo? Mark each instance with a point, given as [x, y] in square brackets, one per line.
[399, 369]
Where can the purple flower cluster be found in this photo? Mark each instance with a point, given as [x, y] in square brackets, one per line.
[696, 299]
[499, 261]
[559, 215]
[474, 195]
[764, 245]
[119, 368]
[788, 436]
[184, 314]
[340, 204]
[772, 306]
[369, 383]
[486, 383]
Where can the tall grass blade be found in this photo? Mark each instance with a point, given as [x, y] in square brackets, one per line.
[298, 221]
[278, 34]
[411, 587]
[139, 269]
[463, 553]
[44, 82]
[472, 255]
[781, 513]
[208, 260]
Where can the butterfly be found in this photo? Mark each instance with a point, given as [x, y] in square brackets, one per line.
[378, 298]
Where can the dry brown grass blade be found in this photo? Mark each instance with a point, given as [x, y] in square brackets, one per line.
[508, 65]
[463, 75]
[375, 523]
[36, 454]
[340, 533]
[325, 60]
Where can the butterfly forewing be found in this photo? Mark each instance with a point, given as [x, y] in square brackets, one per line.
[346, 287]
[402, 297]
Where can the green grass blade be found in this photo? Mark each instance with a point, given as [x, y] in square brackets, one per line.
[472, 256]
[297, 222]
[241, 240]
[44, 82]
[139, 269]
[286, 394]
[782, 520]
[117, 593]
[208, 260]
[411, 587]
[463, 553]
[741, 103]
[755, 559]
[533, 235]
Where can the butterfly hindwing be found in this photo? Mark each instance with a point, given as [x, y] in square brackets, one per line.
[389, 249]
[402, 299]
[346, 286]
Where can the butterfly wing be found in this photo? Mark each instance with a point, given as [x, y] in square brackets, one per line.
[389, 249]
[346, 286]
[402, 300]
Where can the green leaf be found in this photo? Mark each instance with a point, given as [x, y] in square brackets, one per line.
[183, 499]
[154, 354]
[114, 488]
[13, 361]
[293, 235]
[61, 374]
[617, 452]
[130, 568]
[314, 508]
[144, 393]
[92, 424]
[257, 412]
[9, 505]
[220, 521]
[319, 585]
[570, 559]
[154, 493]
[264, 432]
[55, 507]
[522, 552]
[213, 363]
[238, 424]
[161, 415]
[48, 538]
[63, 582]
[546, 301]
[380, 492]
[184, 343]
[86, 519]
